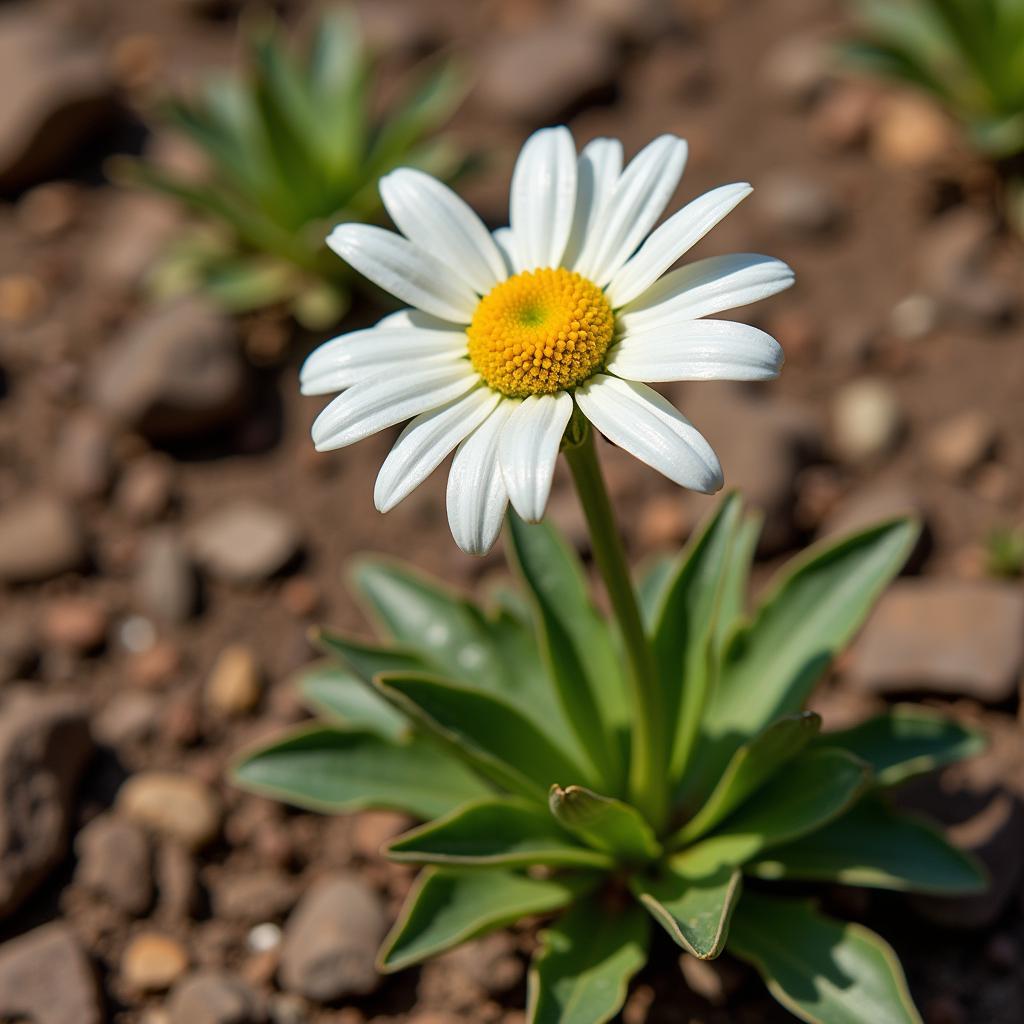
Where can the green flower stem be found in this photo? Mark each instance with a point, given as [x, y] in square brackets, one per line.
[648, 749]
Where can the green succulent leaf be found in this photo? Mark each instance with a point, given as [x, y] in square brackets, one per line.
[652, 580]
[806, 794]
[452, 636]
[683, 634]
[586, 959]
[334, 771]
[822, 971]
[336, 693]
[369, 660]
[694, 910]
[811, 613]
[604, 822]
[491, 735]
[907, 741]
[736, 579]
[448, 907]
[584, 664]
[750, 768]
[874, 846]
[505, 832]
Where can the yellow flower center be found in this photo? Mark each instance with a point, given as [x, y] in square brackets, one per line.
[540, 332]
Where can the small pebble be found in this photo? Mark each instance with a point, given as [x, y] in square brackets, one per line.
[234, 685]
[77, 624]
[178, 806]
[152, 962]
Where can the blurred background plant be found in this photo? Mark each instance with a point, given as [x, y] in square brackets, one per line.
[292, 147]
[1004, 551]
[968, 55]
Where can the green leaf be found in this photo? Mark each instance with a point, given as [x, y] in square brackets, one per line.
[336, 693]
[822, 971]
[498, 833]
[331, 770]
[771, 665]
[493, 736]
[736, 579]
[908, 740]
[753, 765]
[448, 907]
[653, 578]
[695, 911]
[814, 788]
[682, 637]
[604, 823]
[452, 636]
[582, 971]
[873, 846]
[368, 660]
[432, 103]
[584, 665]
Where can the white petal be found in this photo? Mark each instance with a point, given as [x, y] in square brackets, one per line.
[528, 451]
[433, 217]
[416, 318]
[597, 171]
[543, 198]
[477, 498]
[426, 442]
[678, 234]
[641, 194]
[359, 355]
[697, 350]
[503, 240]
[637, 418]
[705, 287]
[383, 401]
[404, 270]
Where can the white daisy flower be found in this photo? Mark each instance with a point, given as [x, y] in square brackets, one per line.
[569, 306]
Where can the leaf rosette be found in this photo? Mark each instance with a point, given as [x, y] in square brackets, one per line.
[507, 731]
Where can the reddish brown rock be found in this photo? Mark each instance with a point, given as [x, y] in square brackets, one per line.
[937, 636]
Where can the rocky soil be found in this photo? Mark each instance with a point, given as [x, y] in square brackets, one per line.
[167, 534]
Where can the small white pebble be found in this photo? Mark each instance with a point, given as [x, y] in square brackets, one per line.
[137, 634]
[263, 937]
[914, 317]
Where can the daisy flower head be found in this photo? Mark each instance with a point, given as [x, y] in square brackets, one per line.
[570, 307]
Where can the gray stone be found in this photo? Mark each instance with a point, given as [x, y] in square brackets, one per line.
[46, 978]
[799, 70]
[40, 537]
[57, 92]
[114, 862]
[959, 445]
[245, 542]
[166, 585]
[174, 372]
[957, 268]
[254, 896]
[214, 997]
[797, 205]
[537, 74]
[44, 747]
[171, 804]
[943, 636]
[867, 421]
[84, 457]
[331, 939]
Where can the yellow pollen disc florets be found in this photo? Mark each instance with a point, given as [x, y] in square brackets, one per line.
[540, 332]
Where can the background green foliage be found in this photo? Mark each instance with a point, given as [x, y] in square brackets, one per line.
[968, 54]
[293, 148]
